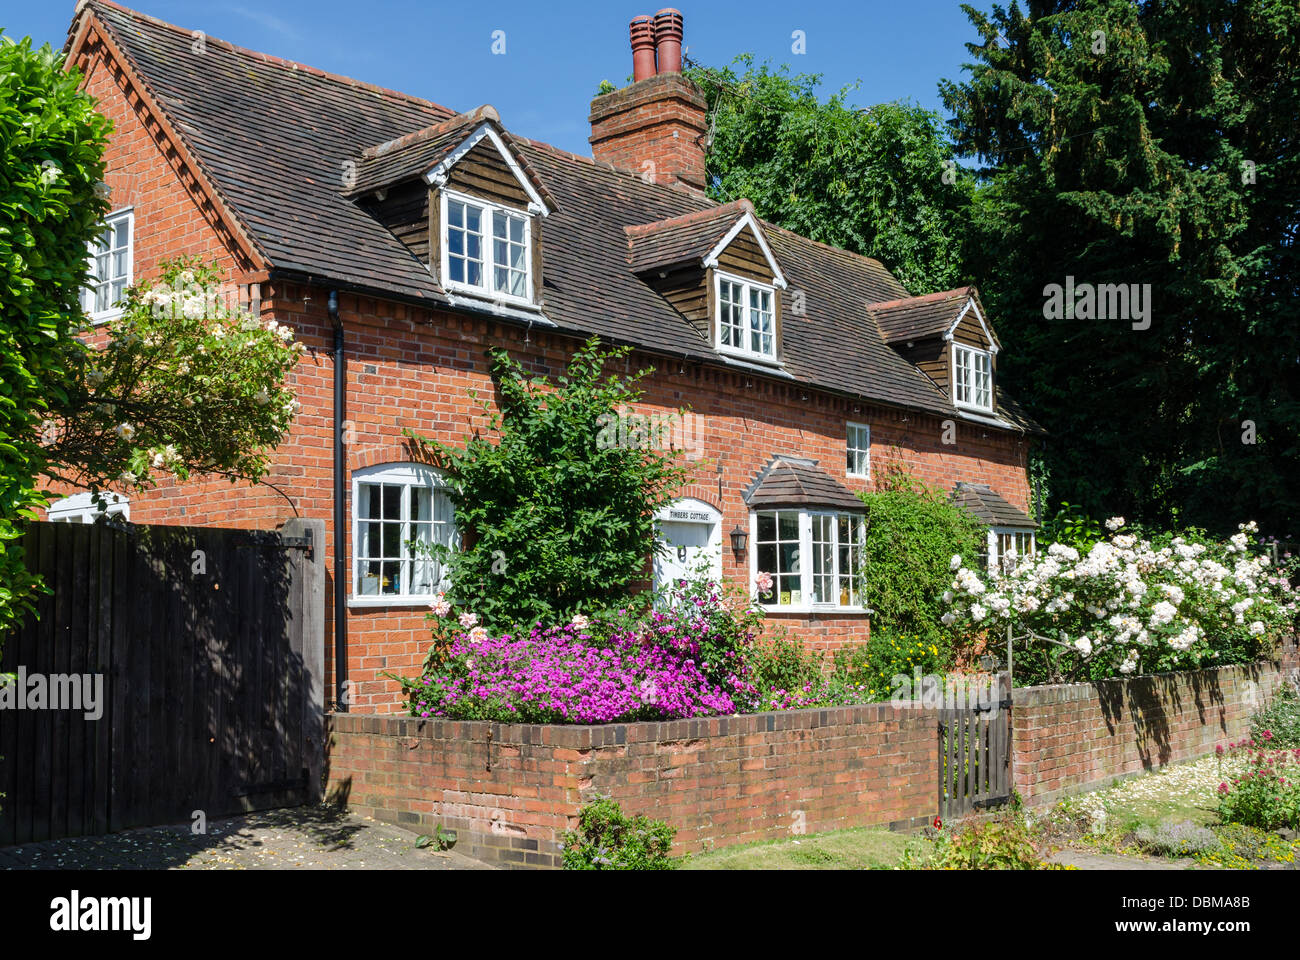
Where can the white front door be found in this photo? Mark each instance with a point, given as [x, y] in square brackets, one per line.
[690, 543]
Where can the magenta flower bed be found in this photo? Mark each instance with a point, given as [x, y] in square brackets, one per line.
[559, 675]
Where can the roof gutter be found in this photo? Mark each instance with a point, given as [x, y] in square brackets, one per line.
[340, 510]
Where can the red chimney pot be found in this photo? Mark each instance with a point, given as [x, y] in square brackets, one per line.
[668, 40]
[642, 34]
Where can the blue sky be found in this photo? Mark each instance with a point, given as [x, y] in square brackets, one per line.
[557, 53]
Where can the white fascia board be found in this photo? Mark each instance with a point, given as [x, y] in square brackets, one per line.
[988, 334]
[438, 175]
[748, 220]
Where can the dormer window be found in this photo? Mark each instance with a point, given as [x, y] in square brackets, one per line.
[746, 316]
[972, 378]
[486, 248]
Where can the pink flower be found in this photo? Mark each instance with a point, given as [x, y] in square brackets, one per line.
[579, 622]
[440, 606]
[478, 635]
[1219, 749]
[468, 619]
[763, 581]
[1223, 788]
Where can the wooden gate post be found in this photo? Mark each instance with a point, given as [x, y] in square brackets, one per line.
[313, 647]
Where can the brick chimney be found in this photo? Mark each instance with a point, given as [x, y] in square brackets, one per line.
[654, 128]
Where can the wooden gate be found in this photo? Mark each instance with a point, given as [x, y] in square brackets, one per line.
[975, 752]
[207, 646]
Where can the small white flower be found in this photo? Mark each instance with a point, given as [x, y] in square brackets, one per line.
[954, 563]
[1114, 523]
[124, 430]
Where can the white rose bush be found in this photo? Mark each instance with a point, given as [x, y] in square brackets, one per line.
[1132, 605]
[181, 383]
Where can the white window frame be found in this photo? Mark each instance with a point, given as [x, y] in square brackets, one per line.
[995, 558]
[405, 475]
[88, 292]
[746, 285]
[976, 354]
[486, 290]
[852, 461]
[81, 508]
[807, 605]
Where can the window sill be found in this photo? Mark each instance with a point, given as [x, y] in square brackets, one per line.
[97, 318]
[484, 294]
[807, 609]
[373, 602]
[745, 355]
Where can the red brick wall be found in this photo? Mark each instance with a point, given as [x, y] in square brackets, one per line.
[1078, 737]
[719, 781]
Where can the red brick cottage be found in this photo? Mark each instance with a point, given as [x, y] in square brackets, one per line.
[401, 240]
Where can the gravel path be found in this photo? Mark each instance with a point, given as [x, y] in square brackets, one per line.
[306, 838]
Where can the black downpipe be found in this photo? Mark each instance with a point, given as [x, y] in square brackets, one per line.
[340, 511]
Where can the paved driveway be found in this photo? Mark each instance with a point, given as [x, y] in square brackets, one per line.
[306, 838]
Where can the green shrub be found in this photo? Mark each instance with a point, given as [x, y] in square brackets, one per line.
[1182, 839]
[557, 496]
[1002, 844]
[912, 533]
[785, 674]
[608, 839]
[1246, 848]
[1280, 718]
[871, 669]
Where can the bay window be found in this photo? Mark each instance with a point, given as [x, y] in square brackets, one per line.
[1006, 546]
[399, 512]
[813, 557]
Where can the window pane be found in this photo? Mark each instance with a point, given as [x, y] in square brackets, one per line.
[121, 239]
[789, 525]
[456, 214]
[766, 526]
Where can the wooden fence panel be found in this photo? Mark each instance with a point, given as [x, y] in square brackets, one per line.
[204, 641]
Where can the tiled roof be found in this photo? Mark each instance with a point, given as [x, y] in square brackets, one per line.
[681, 240]
[913, 318]
[797, 482]
[274, 136]
[980, 500]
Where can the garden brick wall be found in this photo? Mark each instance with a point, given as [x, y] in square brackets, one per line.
[1077, 737]
[719, 781]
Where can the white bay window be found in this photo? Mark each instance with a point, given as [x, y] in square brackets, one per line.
[814, 558]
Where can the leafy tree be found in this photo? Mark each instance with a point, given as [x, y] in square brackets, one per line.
[51, 143]
[558, 504]
[1146, 143]
[881, 182]
[179, 384]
